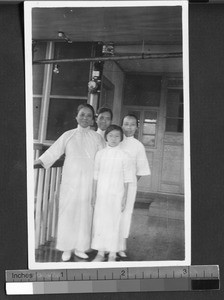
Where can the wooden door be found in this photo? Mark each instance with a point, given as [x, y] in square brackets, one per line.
[158, 104]
[172, 163]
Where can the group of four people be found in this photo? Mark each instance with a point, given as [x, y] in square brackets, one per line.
[99, 183]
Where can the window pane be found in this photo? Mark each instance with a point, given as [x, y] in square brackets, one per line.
[39, 52]
[149, 128]
[148, 140]
[149, 123]
[61, 116]
[72, 78]
[142, 90]
[174, 120]
[36, 116]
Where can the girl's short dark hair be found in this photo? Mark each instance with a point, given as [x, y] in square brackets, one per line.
[105, 109]
[131, 116]
[111, 128]
[88, 106]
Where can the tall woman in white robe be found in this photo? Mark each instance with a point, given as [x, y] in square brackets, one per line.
[80, 146]
[140, 167]
[112, 174]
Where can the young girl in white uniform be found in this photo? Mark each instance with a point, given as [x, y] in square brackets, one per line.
[140, 167]
[112, 173]
[75, 212]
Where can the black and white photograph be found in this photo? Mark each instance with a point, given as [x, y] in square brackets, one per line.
[108, 134]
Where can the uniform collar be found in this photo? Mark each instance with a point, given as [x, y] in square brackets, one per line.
[101, 132]
[128, 137]
[82, 129]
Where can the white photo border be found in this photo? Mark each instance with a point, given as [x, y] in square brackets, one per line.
[28, 6]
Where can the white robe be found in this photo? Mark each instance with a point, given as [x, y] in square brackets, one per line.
[112, 170]
[140, 167]
[75, 212]
[101, 133]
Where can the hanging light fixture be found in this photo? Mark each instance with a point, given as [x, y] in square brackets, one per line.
[56, 69]
[63, 36]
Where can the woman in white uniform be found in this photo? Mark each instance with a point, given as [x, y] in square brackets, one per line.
[140, 167]
[80, 146]
[112, 174]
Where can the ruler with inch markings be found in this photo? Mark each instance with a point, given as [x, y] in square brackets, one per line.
[134, 279]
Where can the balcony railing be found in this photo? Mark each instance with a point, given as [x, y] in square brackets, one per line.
[47, 188]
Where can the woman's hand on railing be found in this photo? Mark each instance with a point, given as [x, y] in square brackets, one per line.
[59, 163]
[38, 164]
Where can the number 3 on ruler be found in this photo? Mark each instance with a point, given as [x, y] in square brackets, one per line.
[184, 271]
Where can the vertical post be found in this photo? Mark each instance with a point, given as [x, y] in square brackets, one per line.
[93, 100]
[96, 73]
[46, 93]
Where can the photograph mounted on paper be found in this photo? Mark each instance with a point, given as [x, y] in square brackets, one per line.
[108, 138]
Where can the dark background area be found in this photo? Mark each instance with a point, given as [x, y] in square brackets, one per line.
[206, 41]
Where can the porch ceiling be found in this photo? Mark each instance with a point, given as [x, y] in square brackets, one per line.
[132, 30]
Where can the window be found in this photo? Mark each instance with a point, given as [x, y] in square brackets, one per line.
[69, 88]
[149, 128]
[72, 79]
[61, 117]
[57, 95]
[174, 113]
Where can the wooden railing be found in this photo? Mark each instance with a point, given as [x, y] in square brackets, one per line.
[47, 188]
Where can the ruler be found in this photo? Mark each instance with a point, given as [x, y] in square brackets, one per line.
[143, 279]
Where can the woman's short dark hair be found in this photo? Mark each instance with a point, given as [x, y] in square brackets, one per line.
[88, 106]
[131, 116]
[111, 128]
[105, 109]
